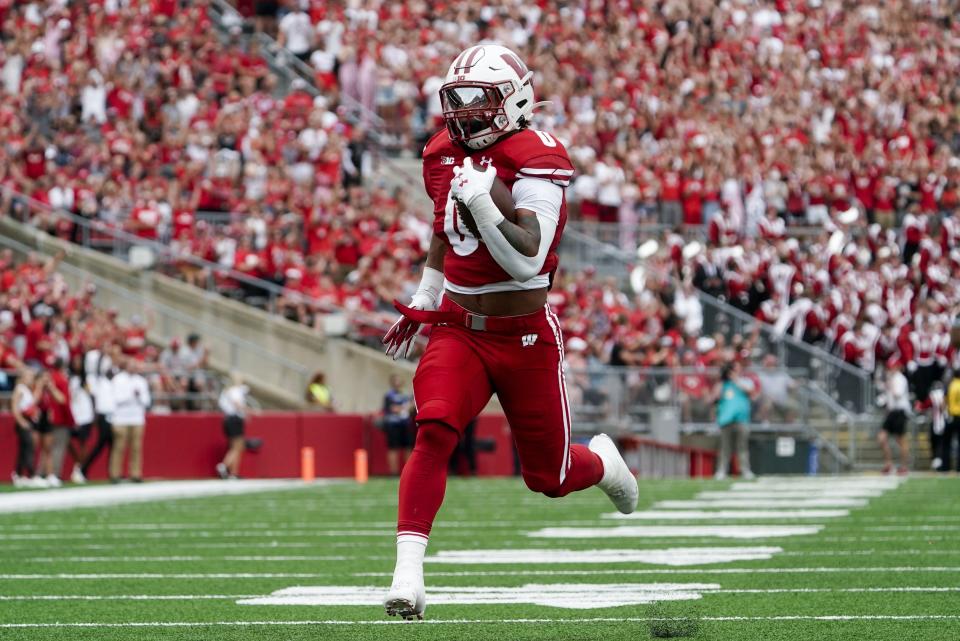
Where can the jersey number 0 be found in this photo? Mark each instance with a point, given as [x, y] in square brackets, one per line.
[461, 240]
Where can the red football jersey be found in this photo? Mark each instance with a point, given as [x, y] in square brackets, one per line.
[526, 154]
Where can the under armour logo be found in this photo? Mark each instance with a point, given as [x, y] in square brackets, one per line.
[486, 161]
[527, 340]
[447, 160]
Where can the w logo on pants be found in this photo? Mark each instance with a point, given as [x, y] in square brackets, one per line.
[527, 340]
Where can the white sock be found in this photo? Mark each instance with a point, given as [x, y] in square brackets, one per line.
[410, 551]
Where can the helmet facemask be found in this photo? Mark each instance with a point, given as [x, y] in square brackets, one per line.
[474, 111]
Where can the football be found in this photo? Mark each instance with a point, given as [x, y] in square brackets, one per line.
[502, 198]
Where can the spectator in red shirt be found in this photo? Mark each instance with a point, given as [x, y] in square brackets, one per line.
[55, 422]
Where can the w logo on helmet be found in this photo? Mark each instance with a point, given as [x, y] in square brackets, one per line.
[467, 60]
[515, 63]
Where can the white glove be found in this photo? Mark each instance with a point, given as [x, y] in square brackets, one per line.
[472, 188]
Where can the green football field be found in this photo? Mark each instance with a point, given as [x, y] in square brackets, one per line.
[851, 558]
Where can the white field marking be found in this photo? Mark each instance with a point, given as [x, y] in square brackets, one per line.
[564, 621]
[911, 528]
[199, 546]
[228, 597]
[569, 596]
[697, 515]
[308, 528]
[125, 597]
[834, 590]
[790, 494]
[813, 486]
[646, 531]
[220, 534]
[106, 495]
[671, 571]
[671, 556]
[194, 558]
[748, 503]
[676, 557]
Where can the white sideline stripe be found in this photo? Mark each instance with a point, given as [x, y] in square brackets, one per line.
[671, 571]
[790, 494]
[106, 495]
[123, 597]
[217, 597]
[568, 596]
[225, 534]
[650, 531]
[106, 528]
[696, 515]
[566, 621]
[194, 558]
[759, 503]
[678, 557]
[670, 556]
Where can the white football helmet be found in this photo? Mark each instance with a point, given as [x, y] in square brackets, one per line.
[488, 93]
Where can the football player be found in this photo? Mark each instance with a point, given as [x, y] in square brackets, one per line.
[484, 290]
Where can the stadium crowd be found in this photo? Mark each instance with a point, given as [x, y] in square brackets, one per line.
[65, 363]
[137, 117]
[747, 118]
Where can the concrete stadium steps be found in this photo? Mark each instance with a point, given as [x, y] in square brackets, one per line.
[869, 455]
[275, 356]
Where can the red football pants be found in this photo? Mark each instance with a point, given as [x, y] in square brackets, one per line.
[459, 372]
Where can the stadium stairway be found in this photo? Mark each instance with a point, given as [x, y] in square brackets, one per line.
[276, 357]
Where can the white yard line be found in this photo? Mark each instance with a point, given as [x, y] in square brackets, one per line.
[565, 621]
[791, 494]
[751, 503]
[125, 597]
[670, 556]
[107, 495]
[228, 597]
[559, 595]
[733, 515]
[649, 531]
[673, 571]
[682, 556]
[195, 558]
[102, 576]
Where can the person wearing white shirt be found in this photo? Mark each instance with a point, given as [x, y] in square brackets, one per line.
[132, 397]
[233, 404]
[25, 412]
[296, 34]
[895, 424]
[98, 367]
[81, 406]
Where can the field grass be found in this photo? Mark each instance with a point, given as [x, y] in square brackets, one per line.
[890, 570]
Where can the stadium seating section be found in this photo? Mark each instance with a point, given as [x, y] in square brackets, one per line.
[780, 132]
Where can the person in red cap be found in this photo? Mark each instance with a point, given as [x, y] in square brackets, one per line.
[895, 423]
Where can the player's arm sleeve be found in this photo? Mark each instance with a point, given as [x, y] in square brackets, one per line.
[544, 199]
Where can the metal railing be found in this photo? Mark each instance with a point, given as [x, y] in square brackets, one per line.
[849, 385]
[211, 276]
[663, 401]
[224, 347]
[653, 459]
[658, 404]
[628, 235]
